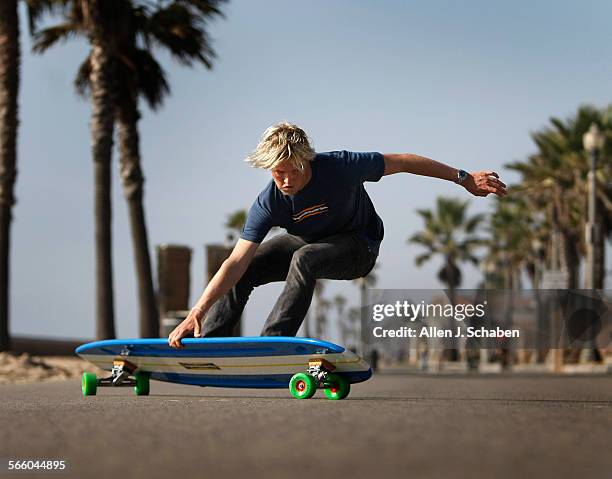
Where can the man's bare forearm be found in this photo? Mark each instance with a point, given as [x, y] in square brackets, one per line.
[478, 183]
[418, 165]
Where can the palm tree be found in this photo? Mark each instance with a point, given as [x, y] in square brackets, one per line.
[10, 60]
[353, 316]
[520, 234]
[363, 284]
[450, 234]
[556, 175]
[180, 28]
[9, 88]
[320, 307]
[340, 303]
[234, 224]
[95, 19]
[513, 230]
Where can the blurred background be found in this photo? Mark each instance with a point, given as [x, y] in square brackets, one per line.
[186, 88]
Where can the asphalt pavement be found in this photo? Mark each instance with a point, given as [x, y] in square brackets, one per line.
[409, 426]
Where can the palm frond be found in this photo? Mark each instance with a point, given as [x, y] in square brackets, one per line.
[37, 8]
[179, 30]
[422, 258]
[207, 8]
[474, 222]
[150, 77]
[45, 39]
[81, 82]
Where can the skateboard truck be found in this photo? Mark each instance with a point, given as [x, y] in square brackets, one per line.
[120, 374]
[320, 368]
[123, 373]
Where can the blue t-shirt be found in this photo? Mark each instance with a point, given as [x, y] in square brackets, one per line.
[333, 201]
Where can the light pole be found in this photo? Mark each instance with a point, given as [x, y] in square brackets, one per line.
[593, 142]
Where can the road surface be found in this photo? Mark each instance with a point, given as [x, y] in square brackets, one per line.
[498, 426]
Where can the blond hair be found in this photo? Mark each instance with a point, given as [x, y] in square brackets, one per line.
[282, 142]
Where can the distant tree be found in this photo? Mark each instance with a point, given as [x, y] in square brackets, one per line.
[363, 284]
[340, 304]
[353, 316]
[321, 307]
[234, 224]
[449, 234]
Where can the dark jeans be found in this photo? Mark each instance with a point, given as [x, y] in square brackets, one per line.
[298, 263]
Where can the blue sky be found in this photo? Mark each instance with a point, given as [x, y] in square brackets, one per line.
[461, 82]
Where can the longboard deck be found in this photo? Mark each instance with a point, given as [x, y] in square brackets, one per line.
[249, 362]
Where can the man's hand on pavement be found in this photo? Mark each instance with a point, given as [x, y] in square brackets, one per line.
[482, 183]
[191, 323]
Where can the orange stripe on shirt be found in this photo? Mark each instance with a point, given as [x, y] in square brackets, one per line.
[302, 215]
[306, 210]
[311, 214]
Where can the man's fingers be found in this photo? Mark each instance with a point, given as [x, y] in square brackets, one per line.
[498, 190]
[488, 182]
[499, 185]
[196, 329]
[174, 340]
[495, 182]
[501, 192]
[487, 190]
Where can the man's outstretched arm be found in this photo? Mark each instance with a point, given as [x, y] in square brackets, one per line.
[479, 183]
[228, 275]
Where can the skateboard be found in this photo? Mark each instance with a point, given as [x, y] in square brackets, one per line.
[301, 364]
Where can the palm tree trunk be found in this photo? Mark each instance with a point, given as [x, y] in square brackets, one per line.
[318, 309]
[509, 285]
[318, 318]
[363, 320]
[133, 181]
[572, 258]
[102, 144]
[451, 353]
[9, 89]
[533, 271]
[572, 261]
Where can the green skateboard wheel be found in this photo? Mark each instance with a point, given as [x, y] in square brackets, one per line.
[142, 384]
[337, 387]
[302, 386]
[89, 384]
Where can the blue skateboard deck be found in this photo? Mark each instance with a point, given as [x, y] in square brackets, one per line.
[247, 362]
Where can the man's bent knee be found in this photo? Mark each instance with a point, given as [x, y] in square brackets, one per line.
[303, 261]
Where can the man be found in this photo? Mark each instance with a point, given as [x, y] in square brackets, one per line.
[333, 231]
